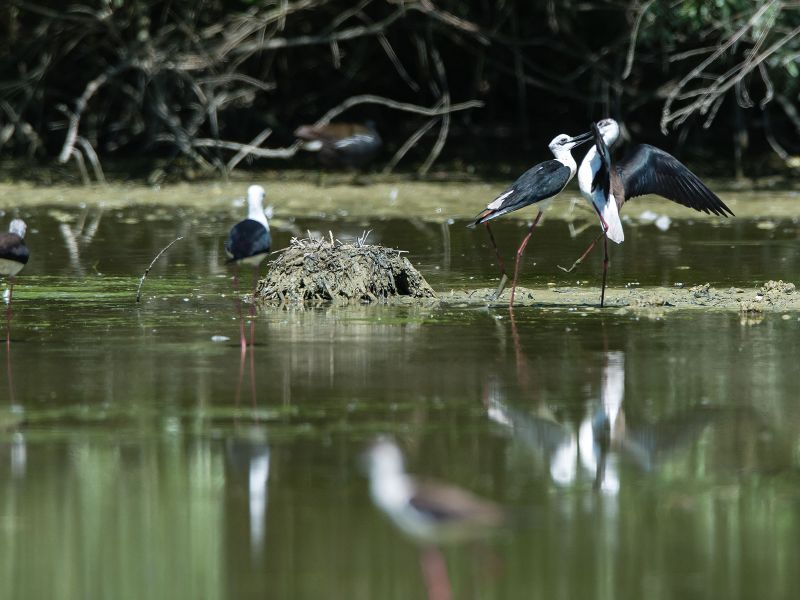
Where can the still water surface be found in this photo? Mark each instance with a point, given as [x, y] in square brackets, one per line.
[141, 459]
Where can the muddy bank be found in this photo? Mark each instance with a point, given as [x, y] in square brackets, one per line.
[773, 296]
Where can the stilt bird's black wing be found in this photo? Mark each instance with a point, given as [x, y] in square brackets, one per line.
[536, 184]
[247, 238]
[648, 170]
[12, 247]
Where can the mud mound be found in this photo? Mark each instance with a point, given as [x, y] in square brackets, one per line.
[313, 271]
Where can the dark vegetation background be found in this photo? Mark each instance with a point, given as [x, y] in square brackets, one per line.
[181, 86]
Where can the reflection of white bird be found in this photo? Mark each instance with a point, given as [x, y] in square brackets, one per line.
[597, 434]
[563, 448]
[541, 433]
[602, 435]
[252, 453]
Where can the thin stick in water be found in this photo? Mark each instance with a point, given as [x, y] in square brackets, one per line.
[147, 270]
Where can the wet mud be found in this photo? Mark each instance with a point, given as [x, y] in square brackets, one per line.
[773, 296]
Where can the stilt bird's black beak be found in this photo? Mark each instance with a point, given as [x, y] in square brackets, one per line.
[582, 138]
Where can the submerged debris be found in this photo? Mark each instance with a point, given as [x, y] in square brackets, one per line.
[322, 270]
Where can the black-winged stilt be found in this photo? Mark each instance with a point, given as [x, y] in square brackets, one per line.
[538, 185]
[644, 170]
[341, 144]
[248, 243]
[429, 512]
[14, 256]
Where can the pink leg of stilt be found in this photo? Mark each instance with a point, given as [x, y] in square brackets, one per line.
[584, 255]
[605, 271]
[434, 569]
[520, 251]
[604, 225]
[500, 263]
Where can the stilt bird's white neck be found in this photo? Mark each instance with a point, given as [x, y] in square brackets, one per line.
[565, 157]
[255, 205]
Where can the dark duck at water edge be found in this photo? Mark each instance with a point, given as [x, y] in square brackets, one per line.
[645, 169]
[538, 185]
[341, 145]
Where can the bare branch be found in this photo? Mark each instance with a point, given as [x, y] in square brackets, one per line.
[404, 106]
[634, 36]
[408, 144]
[147, 270]
[248, 149]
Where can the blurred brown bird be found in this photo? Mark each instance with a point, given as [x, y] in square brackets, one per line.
[342, 145]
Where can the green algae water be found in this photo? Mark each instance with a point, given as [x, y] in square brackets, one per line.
[140, 456]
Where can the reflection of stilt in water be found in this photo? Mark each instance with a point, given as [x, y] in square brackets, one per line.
[248, 453]
[257, 487]
[8, 314]
[603, 430]
[522, 364]
[238, 299]
[240, 379]
[564, 449]
[253, 401]
[243, 342]
[602, 436]
[253, 307]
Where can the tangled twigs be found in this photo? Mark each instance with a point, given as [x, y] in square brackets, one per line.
[707, 100]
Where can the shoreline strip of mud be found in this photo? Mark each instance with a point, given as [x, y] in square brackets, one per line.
[772, 297]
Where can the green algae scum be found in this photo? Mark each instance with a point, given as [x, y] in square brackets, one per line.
[646, 450]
